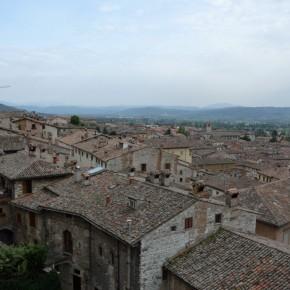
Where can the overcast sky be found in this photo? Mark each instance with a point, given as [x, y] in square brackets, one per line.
[145, 52]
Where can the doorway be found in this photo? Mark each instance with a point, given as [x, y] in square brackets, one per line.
[77, 282]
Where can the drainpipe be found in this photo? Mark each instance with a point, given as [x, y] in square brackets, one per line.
[129, 268]
[118, 255]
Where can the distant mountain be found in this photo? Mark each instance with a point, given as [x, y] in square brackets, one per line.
[219, 106]
[70, 110]
[243, 114]
[5, 108]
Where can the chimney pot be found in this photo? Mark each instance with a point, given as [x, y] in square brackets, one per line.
[232, 195]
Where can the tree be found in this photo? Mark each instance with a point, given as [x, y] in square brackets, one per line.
[182, 130]
[246, 138]
[260, 133]
[274, 136]
[168, 132]
[75, 120]
[21, 267]
[105, 131]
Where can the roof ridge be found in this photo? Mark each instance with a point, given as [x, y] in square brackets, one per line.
[259, 239]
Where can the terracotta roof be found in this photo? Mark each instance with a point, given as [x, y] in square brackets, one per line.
[228, 260]
[106, 148]
[104, 203]
[222, 181]
[11, 142]
[272, 200]
[21, 166]
[76, 136]
[172, 142]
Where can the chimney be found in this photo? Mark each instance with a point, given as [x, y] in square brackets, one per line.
[232, 195]
[108, 200]
[164, 179]
[197, 186]
[129, 225]
[86, 179]
[78, 176]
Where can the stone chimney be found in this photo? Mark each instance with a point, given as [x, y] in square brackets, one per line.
[129, 225]
[108, 200]
[197, 186]
[86, 180]
[131, 175]
[78, 176]
[165, 179]
[232, 197]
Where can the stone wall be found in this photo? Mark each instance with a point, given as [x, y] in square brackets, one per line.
[164, 242]
[104, 262]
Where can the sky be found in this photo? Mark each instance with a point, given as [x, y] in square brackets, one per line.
[145, 52]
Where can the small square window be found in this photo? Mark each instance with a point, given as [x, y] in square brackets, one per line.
[180, 179]
[167, 166]
[143, 167]
[218, 218]
[173, 228]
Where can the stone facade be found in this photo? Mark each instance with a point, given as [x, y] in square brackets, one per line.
[164, 242]
[103, 262]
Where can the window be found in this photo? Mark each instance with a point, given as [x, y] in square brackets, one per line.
[19, 218]
[100, 251]
[143, 167]
[180, 179]
[164, 274]
[43, 126]
[112, 257]
[33, 126]
[132, 203]
[77, 272]
[173, 228]
[167, 166]
[218, 218]
[27, 186]
[188, 223]
[32, 219]
[67, 242]
[2, 213]
[180, 172]
[286, 237]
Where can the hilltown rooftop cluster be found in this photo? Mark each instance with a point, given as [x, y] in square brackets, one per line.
[139, 209]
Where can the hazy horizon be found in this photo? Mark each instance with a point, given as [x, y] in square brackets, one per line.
[145, 53]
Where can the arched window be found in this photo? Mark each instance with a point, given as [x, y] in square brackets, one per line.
[67, 242]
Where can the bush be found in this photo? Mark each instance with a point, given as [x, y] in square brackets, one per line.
[44, 281]
[21, 268]
[75, 120]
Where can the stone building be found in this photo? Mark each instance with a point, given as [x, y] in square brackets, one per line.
[229, 260]
[180, 146]
[37, 128]
[272, 201]
[11, 142]
[21, 174]
[107, 231]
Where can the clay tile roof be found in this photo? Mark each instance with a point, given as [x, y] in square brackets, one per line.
[272, 200]
[104, 203]
[172, 142]
[21, 166]
[228, 260]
